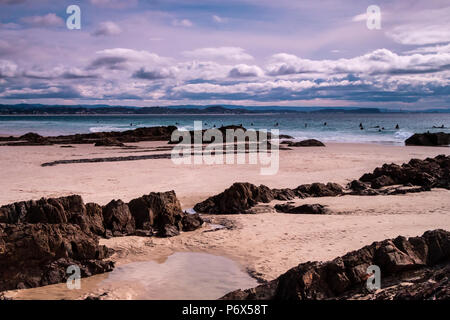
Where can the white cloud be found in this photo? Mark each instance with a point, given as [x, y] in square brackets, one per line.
[182, 23]
[420, 35]
[243, 71]
[7, 68]
[381, 61]
[225, 53]
[107, 28]
[219, 19]
[115, 4]
[48, 20]
[360, 17]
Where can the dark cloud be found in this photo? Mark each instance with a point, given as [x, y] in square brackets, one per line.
[112, 63]
[153, 74]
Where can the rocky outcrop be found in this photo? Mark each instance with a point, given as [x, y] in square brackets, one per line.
[118, 219]
[109, 142]
[303, 209]
[429, 139]
[345, 277]
[40, 239]
[240, 197]
[98, 138]
[38, 254]
[236, 199]
[428, 173]
[319, 190]
[304, 143]
[162, 211]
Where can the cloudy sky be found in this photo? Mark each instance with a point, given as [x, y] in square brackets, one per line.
[245, 52]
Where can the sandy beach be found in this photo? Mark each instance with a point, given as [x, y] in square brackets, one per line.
[264, 244]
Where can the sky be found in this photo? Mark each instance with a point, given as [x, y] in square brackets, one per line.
[209, 52]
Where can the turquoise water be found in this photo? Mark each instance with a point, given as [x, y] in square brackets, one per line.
[340, 127]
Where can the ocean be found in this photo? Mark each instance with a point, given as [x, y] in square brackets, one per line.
[340, 127]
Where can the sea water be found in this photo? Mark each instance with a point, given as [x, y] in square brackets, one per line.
[340, 127]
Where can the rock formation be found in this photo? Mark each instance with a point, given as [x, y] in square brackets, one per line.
[115, 138]
[303, 209]
[304, 143]
[429, 139]
[40, 239]
[400, 260]
[236, 199]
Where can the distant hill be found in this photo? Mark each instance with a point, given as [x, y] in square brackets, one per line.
[39, 109]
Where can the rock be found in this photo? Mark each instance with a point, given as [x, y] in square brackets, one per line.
[303, 209]
[357, 185]
[382, 181]
[428, 173]
[429, 139]
[70, 209]
[168, 231]
[98, 138]
[143, 233]
[94, 214]
[38, 254]
[345, 277]
[320, 190]
[191, 222]
[236, 199]
[117, 218]
[304, 143]
[109, 142]
[284, 194]
[157, 210]
[32, 138]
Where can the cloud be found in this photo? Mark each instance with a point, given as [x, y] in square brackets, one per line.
[182, 23]
[219, 19]
[122, 58]
[360, 17]
[48, 20]
[107, 28]
[243, 71]
[50, 92]
[226, 53]
[11, 1]
[7, 68]
[114, 4]
[381, 61]
[155, 74]
[420, 35]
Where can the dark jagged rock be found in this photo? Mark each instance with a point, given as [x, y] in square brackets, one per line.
[429, 139]
[109, 142]
[345, 277]
[38, 254]
[428, 173]
[32, 138]
[284, 194]
[304, 143]
[191, 222]
[236, 199]
[94, 217]
[117, 218]
[303, 209]
[319, 190]
[157, 210]
[136, 135]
